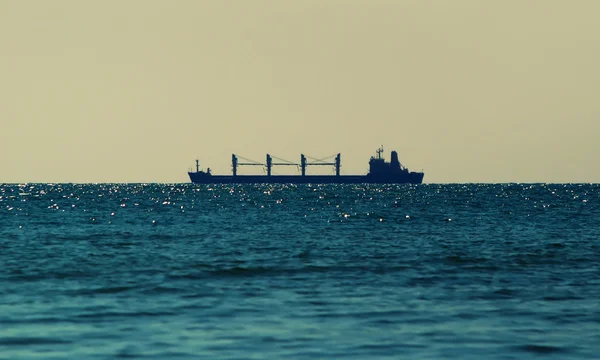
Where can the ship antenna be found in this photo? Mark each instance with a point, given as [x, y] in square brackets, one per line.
[197, 166]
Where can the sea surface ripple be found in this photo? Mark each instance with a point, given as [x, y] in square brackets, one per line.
[182, 271]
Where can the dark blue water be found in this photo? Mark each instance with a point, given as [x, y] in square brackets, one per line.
[274, 272]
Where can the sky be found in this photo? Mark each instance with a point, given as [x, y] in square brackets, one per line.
[137, 90]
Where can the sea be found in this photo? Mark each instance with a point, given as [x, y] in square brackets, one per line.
[184, 271]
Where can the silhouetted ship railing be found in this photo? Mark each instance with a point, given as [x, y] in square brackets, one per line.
[380, 172]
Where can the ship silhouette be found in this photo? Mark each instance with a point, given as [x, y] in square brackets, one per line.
[380, 172]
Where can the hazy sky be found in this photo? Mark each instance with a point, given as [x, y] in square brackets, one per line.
[135, 91]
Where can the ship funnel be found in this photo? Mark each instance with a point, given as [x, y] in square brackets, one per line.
[394, 162]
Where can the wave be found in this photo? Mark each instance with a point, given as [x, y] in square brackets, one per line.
[29, 341]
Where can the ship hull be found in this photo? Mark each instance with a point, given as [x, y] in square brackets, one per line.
[404, 178]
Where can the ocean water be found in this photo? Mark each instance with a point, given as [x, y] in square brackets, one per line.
[182, 271]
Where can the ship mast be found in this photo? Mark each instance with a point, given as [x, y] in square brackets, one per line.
[379, 152]
[282, 162]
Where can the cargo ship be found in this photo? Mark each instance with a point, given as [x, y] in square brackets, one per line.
[380, 172]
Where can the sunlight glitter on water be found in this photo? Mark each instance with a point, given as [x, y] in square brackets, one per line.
[361, 271]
